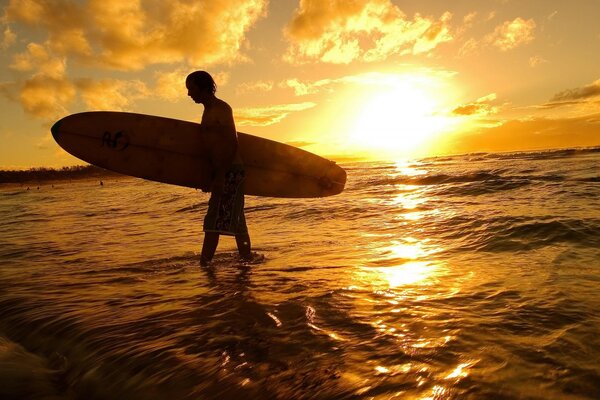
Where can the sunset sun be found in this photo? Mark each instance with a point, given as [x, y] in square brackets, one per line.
[400, 118]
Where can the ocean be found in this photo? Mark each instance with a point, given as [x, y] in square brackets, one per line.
[461, 277]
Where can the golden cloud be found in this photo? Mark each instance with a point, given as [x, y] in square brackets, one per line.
[65, 29]
[582, 93]
[340, 31]
[171, 85]
[512, 34]
[480, 107]
[369, 79]
[47, 97]
[259, 86]
[536, 61]
[304, 88]
[115, 34]
[507, 36]
[129, 35]
[8, 38]
[470, 46]
[110, 94]
[39, 59]
[264, 116]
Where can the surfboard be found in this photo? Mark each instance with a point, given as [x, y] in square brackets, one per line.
[175, 152]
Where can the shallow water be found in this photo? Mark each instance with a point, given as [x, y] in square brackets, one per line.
[473, 276]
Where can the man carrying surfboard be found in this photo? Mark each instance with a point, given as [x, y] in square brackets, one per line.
[225, 215]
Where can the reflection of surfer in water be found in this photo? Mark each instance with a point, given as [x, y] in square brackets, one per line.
[225, 215]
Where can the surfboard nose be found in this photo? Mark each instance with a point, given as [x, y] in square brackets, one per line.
[56, 130]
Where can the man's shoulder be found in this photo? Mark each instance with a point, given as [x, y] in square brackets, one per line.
[222, 105]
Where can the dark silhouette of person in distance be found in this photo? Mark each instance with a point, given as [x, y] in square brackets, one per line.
[225, 215]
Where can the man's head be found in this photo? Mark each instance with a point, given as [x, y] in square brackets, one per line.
[200, 85]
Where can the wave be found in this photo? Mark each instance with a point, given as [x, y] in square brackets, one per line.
[192, 208]
[468, 184]
[496, 175]
[11, 194]
[544, 154]
[589, 179]
[525, 155]
[519, 234]
[481, 188]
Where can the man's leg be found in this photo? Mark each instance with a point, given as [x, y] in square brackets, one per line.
[243, 245]
[211, 240]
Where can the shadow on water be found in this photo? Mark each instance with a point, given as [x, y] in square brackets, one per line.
[172, 329]
[266, 351]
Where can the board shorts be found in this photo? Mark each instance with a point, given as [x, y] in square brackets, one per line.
[225, 213]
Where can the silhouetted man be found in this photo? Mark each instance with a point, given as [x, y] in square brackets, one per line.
[225, 215]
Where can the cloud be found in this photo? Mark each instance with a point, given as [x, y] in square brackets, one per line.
[47, 97]
[470, 46]
[8, 38]
[9, 90]
[111, 94]
[507, 36]
[65, 29]
[339, 31]
[469, 18]
[170, 85]
[536, 60]
[37, 58]
[480, 107]
[264, 116]
[45, 142]
[304, 88]
[130, 35]
[512, 34]
[368, 79]
[582, 93]
[259, 86]
[48, 92]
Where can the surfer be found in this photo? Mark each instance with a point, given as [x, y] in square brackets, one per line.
[225, 215]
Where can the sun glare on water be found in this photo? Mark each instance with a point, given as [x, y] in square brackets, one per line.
[401, 117]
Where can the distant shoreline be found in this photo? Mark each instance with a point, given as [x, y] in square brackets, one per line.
[40, 175]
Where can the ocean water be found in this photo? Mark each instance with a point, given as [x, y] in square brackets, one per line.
[467, 277]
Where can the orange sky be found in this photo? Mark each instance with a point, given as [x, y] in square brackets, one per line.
[383, 78]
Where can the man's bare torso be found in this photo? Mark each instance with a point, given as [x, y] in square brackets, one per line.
[220, 134]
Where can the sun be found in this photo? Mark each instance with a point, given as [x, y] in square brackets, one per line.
[400, 117]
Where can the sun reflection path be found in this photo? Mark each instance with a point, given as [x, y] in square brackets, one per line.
[398, 289]
[409, 168]
[405, 262]
[400, 261]
[411, 198]
[408, 273]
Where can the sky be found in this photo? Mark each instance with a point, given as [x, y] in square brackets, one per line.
[379, 79]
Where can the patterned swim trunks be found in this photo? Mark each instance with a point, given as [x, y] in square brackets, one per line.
[225, 213]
